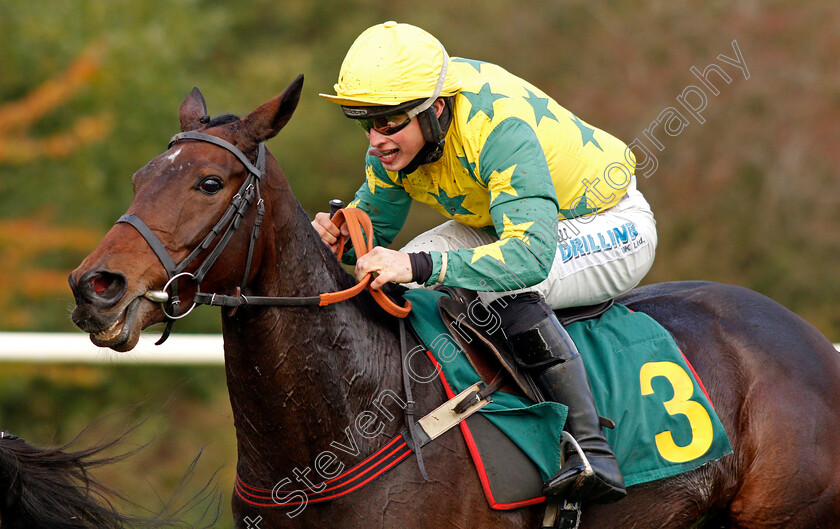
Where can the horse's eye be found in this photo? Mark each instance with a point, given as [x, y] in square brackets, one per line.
[210, 186]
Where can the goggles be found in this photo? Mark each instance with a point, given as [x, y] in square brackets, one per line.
[396, 118]
[386, 125]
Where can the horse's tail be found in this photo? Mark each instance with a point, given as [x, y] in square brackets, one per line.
[52, 488]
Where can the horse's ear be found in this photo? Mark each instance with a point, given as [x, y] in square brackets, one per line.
[193, 111]
[267, 120]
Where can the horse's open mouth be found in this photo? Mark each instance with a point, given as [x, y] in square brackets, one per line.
[121, 335]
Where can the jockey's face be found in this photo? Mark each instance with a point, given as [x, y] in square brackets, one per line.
[396, 151]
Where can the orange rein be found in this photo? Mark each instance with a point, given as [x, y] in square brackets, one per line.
[361, 234]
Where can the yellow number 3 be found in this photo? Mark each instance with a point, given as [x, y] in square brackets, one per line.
[701, 424]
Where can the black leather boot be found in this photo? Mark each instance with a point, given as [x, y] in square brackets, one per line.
[548, 352]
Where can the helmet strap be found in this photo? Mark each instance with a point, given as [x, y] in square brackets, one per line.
[434, 132]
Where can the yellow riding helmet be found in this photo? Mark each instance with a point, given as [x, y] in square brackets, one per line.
[393, 63]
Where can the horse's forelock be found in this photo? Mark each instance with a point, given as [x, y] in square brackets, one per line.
[232, 122]
[224, 119]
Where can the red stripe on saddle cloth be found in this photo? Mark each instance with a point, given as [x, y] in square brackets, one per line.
[479, 464]
[697, 378]
[693, 372]
[363, 473]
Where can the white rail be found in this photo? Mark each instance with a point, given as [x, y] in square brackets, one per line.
[77, 348]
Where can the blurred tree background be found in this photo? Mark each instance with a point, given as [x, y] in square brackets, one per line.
[89, 92]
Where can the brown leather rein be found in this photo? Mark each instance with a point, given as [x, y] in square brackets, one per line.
[358, 223]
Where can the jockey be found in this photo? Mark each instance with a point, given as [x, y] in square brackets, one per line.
[544, 210]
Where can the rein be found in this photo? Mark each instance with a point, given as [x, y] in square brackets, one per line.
[361, 236]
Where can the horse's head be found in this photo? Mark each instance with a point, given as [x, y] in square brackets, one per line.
[197, 187]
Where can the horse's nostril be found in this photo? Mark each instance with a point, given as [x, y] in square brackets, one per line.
[100, 283]
[103, 288]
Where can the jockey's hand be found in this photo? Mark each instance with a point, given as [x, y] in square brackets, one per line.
[328, 231]
[391, 265]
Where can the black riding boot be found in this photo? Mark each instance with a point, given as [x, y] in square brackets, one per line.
[548, 352]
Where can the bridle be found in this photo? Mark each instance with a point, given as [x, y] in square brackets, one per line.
[359, 224]
[226, 226]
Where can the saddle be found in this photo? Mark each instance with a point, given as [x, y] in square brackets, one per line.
[488, 352]
[620, 348]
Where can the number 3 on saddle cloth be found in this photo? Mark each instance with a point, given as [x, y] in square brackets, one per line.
[665, 422]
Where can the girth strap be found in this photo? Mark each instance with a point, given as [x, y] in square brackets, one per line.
[429, 428]
[409, 403]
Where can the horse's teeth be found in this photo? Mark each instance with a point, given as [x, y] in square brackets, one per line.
[110, 332]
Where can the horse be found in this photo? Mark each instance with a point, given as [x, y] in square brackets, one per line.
[301, 378]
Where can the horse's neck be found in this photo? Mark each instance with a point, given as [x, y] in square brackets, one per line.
[298, 377]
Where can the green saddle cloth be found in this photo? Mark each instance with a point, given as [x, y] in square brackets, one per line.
[665, 424]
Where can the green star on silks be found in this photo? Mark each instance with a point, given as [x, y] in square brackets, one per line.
[452, 204]
[582, 208]
[587, 134]
[540, 106]
[482, 101]
[472, 62]
[469, 166]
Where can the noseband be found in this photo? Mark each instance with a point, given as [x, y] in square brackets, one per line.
[361, 234]
[226, 226]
